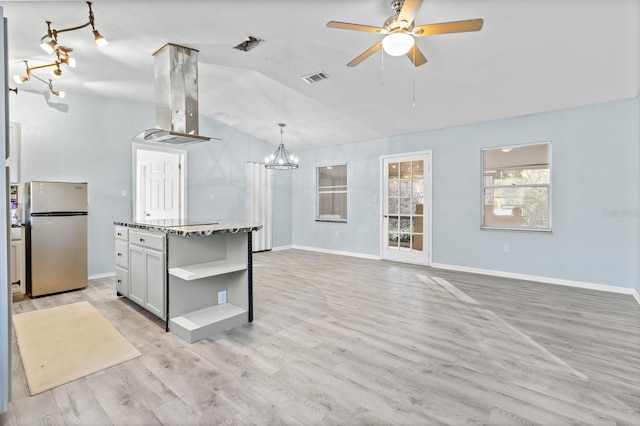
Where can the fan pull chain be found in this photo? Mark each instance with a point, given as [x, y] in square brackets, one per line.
[381, 67]
[414, 76]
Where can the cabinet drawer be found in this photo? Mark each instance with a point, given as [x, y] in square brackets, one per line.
[147, 239]
[122, 281]
[122, 254]
[16, 234]
[122, 233]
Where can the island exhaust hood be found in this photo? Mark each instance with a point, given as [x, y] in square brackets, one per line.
[176, 86]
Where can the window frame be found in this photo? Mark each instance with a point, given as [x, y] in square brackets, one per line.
[346, 193]
[484, 187]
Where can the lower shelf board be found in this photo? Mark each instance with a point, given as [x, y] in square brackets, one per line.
[206, 322]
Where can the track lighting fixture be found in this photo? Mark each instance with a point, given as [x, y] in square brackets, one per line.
[281, 159]
[49, 84]
[57, 72]
[52, 34]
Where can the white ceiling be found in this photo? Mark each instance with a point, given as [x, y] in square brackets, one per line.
[531, 56]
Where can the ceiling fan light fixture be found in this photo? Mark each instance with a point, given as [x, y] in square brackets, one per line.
[397, 44]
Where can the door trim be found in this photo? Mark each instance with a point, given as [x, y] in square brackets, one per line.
[428, 198]
[136, 146]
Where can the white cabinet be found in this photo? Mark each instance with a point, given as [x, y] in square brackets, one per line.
[17, 259]
[147, 271]
[122, 261]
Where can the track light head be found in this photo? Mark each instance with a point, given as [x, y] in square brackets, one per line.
[100, 41]
[48, 46]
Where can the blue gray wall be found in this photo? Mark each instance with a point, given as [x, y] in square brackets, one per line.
[594, 195]
[595, 171]
[84, 138]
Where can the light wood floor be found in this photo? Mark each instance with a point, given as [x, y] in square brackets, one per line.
[340, 340]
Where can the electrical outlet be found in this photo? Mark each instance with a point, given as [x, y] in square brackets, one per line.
[222, 297]
[507, 247]
[211, 197]
[337, 234]
[124, 193]
[374, 198]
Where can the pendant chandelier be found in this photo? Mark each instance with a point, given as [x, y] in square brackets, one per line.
[281, 159]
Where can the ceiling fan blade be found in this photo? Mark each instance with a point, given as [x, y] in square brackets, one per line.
[416, 56]
[448, 27]
[356, 27]
[409, 10]
[373, 49]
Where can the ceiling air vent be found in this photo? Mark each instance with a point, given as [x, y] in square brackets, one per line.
[315, 78]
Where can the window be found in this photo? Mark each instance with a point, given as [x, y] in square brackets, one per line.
[332, 193]
[516, 183]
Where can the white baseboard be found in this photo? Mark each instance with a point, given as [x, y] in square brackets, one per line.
[105, 275]
[546, 280]
[340, 253]
[281, 248]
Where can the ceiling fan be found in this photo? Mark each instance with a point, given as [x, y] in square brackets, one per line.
[400, 32]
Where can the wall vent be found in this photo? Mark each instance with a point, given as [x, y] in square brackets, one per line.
[315, 78]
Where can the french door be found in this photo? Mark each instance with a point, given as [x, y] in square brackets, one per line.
[406, 208]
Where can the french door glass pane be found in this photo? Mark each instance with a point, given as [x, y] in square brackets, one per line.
[393, 206]
[418, 169]
[393, 239]
[405, 188]
[405, 206]
[417, 242]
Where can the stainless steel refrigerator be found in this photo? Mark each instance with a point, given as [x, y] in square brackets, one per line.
[56, 237]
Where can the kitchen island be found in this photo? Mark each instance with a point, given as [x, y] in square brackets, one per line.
[194, 275]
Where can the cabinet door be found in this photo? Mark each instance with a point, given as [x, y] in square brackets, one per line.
[15, 261]
[155, 271]
[137, 275]
[122, 281]
[17, 264]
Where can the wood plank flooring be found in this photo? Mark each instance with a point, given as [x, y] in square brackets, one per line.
[349, 341]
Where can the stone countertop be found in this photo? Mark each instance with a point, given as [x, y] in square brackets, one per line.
[190, 228]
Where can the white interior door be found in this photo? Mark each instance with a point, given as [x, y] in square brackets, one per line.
[160, 184]
[406, 208]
